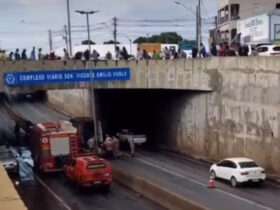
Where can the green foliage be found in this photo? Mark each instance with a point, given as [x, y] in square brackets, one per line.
[164, 38]
[85, 42]
[111, 42]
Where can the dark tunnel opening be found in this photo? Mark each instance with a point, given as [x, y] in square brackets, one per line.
[155, 113]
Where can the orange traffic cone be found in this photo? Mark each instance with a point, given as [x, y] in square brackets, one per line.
[211, 183]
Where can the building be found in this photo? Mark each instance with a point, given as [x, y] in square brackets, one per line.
[263, 28]
[231, 11]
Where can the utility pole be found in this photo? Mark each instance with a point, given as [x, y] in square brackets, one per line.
[88, 32]
[50, 41]
[92, 92]
[198, 23]
[69, 28]
[66, 38]
[115, 32]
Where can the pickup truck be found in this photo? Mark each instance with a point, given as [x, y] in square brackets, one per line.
[138, 139]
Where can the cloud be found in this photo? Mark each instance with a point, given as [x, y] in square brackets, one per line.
[40, 15]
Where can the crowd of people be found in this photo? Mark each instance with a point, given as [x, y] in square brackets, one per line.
[225, 49]
[22, 55]
[170, 53]
[111, 147]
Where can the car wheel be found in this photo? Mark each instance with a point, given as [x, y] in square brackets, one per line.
[233, 182]
[213, 175]
[106, 188]
[260, 183]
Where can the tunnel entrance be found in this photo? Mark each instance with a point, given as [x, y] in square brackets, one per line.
[156, 113]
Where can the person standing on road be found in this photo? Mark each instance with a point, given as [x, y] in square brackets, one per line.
[90, 144]
[23, 55]
[108, 145]
[108, 56]
[124, 54]
[33, 54]
[40, 55]
[66, 55]
[95, 55]
[131, 146]
[11, 56]
[116, 146]
[17, 55]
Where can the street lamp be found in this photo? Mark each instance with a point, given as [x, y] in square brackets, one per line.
[69, 27]
[92, 98]
[198, 21]
[87, 13]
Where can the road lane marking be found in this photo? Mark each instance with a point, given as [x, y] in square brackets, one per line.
[155, 165]
[57, 197]
[204, 165]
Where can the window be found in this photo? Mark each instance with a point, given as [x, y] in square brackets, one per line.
[248, 164]
[234, 9]
[232, 164]
[277, 31]
[262, 49]
[234, 34]
[278, 6]
[277, 49]
[227, 164]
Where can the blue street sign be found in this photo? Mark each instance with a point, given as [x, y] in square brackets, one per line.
[66, 76]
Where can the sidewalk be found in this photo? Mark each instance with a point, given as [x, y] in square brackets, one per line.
[9, 198]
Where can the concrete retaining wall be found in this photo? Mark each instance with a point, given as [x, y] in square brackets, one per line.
[242, 114]
[241, 117]
[74, 102]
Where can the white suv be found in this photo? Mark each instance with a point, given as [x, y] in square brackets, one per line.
[238, 171]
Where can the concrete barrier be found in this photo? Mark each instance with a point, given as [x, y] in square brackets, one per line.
[9, 198]
[154, 192]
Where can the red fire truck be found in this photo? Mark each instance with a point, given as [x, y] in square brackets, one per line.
[52, 144]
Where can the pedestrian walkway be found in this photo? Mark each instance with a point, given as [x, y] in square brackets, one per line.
[9, 198]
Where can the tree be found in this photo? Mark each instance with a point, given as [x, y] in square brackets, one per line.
[86, 42]
[164, 38]
[111, 42]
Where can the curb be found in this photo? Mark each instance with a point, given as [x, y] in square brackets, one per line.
[9, 197]
[155, 193]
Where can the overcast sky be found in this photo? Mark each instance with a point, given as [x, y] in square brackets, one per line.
[25, 23]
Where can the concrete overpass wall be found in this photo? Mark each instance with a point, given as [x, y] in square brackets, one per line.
[241, 117]
[178, 74]
[242, 113]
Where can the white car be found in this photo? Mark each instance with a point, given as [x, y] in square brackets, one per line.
[238, 171]
[268, 50]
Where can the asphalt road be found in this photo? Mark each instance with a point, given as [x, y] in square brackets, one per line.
[6, 126]
[37, 112]
[53, 193]
[184, 176]
[189, 178]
